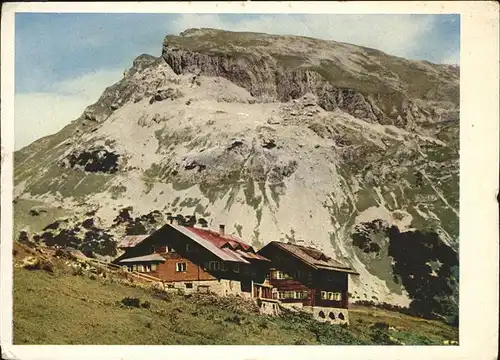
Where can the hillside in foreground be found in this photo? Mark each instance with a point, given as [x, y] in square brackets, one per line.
[60, 305]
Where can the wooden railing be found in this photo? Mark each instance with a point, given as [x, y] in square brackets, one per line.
[136, 274]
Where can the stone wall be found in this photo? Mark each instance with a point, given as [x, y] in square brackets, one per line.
[293, 305]
[269, 307]
[220, 287]
[329, 314]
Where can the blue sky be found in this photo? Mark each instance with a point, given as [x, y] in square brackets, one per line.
[64, 61]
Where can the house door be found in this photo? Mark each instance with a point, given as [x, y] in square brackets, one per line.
[246, 286]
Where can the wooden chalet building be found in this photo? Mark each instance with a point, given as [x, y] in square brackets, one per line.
[304, 277]
[195, 259]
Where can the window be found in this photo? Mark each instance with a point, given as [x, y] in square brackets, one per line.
[189, 247]
[153, 267]
[153, 249]
[223, 266]
[214, 265]
[181, 267]
[147, 268]
[188, 285]
[236, 268]
[170, 286]
[134, 267]
[331, 296]
[298, 295]
[280, 275]
[289, 295]
[267, 276]
[170, 249]
[140, 268]
[298, 274]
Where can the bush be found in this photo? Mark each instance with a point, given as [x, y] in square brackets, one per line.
[39, 264]
[162, 295]
[77, 271]
[146, 305]
[34, 264]
[131, 302]
[381, 337]
[48, 266]
[381, 325]
[233, 319]
[327, 334]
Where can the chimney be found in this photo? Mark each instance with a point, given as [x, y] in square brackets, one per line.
[222, 227]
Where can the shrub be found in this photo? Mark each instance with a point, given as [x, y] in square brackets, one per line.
[233, 319]
[162, 295]
[381, 325]
[77, 271]
[381, 337]
[38, 264]
[131, 302]
[146, 305]
[34, 264]
[48, 266]
[327, 334]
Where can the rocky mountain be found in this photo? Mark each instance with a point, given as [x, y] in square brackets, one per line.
[284, 138]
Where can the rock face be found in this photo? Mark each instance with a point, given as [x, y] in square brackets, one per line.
[278, 137]
[363, 82]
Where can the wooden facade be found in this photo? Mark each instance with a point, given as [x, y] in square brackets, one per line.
[185, 260]
[195, 259]
[299, 280]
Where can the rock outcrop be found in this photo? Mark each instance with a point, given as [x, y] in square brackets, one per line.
[362, 82]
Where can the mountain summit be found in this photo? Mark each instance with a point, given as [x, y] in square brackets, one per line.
[288, 138]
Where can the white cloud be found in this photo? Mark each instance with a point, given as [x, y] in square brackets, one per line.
[400, 35]
[40, 114]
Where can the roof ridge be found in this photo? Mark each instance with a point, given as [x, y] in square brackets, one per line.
[315, 261]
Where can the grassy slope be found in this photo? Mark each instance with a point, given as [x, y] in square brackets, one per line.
[61, 308]
[35, 223]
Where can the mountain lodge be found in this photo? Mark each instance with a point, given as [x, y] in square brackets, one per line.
[194, 259]
[197, 259]
[304, 277]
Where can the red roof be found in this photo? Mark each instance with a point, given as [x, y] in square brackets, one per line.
[231, 245]
[221, 241]
[227, 247]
